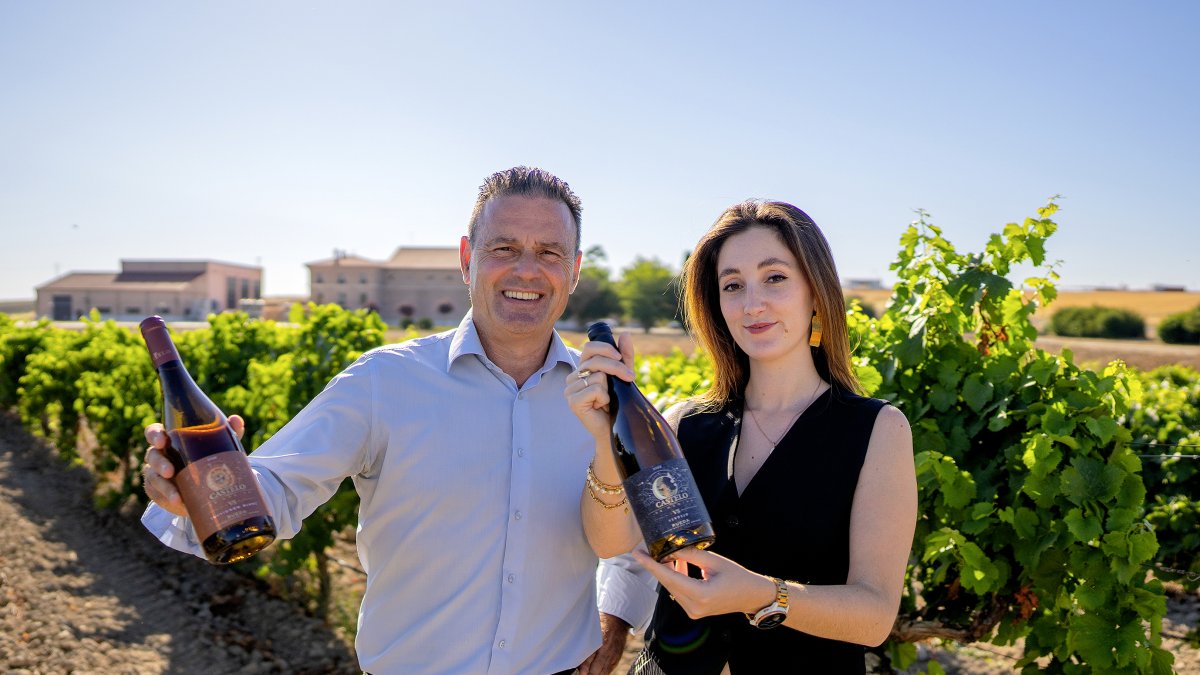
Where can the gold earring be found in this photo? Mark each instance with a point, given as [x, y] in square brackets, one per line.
[815, 339]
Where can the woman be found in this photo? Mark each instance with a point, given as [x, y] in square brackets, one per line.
[811, 487]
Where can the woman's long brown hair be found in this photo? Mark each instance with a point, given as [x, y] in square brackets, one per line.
[702, 301]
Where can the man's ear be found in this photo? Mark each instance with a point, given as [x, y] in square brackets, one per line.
[464, 259]
[575, 273]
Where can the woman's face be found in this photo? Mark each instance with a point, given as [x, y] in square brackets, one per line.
[765, 299]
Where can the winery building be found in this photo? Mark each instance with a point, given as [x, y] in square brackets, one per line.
[175, 289]
[415, 283]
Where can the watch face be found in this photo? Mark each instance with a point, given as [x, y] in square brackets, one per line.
[771, 620]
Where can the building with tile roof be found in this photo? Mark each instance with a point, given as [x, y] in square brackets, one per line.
[175, 289]
[421, 282]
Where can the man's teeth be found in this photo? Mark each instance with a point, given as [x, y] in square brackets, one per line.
[517, 295]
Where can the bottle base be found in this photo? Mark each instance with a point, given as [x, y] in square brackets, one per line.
[667, 545]
[239, 541]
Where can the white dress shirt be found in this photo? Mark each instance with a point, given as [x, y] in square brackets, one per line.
[469, 526]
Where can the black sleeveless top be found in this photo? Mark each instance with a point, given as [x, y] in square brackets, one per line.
[791, 521]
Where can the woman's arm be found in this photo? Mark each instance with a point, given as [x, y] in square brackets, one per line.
[608, 523]
[882, 522]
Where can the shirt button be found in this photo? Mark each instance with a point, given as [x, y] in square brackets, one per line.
[520, 452]
[512, 578]
[517, 515]
[732, 521]
[521, 395]
[500, 644]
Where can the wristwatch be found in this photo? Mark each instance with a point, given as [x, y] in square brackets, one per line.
[775, 613]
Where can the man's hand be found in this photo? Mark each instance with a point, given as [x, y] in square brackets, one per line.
[613, 632]
[157, 470]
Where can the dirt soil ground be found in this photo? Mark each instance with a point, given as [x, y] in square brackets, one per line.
[87, 592]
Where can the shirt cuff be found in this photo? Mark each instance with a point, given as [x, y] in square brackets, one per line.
[172, 530]
[626, 591]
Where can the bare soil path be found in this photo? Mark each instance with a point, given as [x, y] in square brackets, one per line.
[83, 591]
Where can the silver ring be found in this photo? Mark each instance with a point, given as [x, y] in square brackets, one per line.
[583, 374]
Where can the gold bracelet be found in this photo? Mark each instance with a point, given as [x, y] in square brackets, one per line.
[624, 500]
[603, 487]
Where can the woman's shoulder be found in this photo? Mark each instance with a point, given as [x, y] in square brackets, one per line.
[881, 412]
[694, 411]
[858, 403]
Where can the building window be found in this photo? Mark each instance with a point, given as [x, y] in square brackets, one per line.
[362, 300]
[257, 290]
[320, 278]
[133, 310]
[230, 293]
[362, 279]
[62, 308]
[341, 278]
[445, 308]
[320, 298]
[245, 288]
[407, 311]
[342, 299]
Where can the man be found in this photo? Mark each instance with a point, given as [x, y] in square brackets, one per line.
[469, 466]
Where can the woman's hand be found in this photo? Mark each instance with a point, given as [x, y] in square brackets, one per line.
[587, 387]
[725, 586]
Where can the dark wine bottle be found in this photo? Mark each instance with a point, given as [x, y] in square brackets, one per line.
[658, 482]
[218, 487]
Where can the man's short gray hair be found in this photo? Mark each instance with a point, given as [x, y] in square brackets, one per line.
[524, 180]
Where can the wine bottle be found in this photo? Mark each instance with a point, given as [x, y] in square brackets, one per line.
[657, 480]
[214, 479]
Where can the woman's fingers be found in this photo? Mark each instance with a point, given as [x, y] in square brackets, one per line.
[604, 358]
[625, 342]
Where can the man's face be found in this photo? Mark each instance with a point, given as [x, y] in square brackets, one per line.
[522, 267]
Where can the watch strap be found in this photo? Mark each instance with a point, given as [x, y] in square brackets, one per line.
[775, 613]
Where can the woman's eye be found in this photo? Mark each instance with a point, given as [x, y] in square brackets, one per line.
[731, 287]
[776, 278]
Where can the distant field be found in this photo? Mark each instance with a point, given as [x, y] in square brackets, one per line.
[1153, 306]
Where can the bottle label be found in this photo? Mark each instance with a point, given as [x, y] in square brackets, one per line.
[665, 499]
[219, 490]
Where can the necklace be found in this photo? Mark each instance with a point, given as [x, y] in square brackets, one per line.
[812, 397]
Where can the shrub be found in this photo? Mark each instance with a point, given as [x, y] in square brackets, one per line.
[1096, 321]
[1182, 328]
[854, 301]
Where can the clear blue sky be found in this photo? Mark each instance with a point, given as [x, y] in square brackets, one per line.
[275, 132]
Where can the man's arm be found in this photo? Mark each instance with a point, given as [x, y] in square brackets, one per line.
[627, 590]
[625, 593]
[298, 469]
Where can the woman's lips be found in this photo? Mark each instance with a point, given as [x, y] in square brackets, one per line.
[756, 328]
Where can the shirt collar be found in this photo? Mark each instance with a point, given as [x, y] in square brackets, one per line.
[466, 342]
